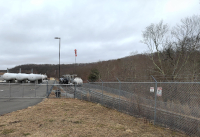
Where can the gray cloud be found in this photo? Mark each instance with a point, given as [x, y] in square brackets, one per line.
[99, 30]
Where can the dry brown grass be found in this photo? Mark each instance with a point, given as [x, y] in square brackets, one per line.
[76, 118]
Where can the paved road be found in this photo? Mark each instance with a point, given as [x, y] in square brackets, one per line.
[22, 96]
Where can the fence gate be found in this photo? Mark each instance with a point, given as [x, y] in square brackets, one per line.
[62, 91]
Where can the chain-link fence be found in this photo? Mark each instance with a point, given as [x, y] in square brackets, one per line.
[25, 90]
[174, 105]
[169, 104]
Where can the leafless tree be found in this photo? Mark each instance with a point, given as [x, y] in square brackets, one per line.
[171, 51]
[154, 37]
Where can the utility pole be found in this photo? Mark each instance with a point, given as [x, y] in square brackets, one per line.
[59, 55]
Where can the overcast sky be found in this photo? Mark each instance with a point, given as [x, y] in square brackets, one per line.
[98, 29]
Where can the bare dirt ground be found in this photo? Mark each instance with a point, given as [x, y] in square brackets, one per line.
[76, 118]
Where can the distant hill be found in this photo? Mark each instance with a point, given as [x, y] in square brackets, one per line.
[136, 68]
[127, 68]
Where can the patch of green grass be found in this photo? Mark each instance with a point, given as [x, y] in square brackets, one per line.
[65, 135]
[76, 122]
[7, 131]
[173, 133]
[85, 135]
[26, 134]
[51, 120]
[122, 128]
[66, 109]
[2, 125]
[101, 125]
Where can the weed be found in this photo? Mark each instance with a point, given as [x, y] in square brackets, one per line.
[7, 131]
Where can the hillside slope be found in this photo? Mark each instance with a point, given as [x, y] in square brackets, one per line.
[135, 68]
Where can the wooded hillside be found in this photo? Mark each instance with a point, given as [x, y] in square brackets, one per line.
[126, 69]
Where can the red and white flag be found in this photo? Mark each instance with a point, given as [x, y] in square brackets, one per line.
[75, 52]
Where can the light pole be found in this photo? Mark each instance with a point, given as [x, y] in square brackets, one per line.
[59, 56]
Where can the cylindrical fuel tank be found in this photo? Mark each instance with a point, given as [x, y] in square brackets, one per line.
[9, 76]
[34, 77]
[78, 81]
[22, 76]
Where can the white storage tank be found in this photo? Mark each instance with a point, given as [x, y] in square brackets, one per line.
[78, 81]
[9, 76]
[22, 76]
[34, 77]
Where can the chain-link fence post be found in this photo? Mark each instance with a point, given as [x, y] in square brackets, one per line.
[47, 89]
[9, 90]
[65, 91]
[89, 89]
[74, 90]
[155, 100]
[22, 89]
[119, 92]
[35, 89]
[102, 92]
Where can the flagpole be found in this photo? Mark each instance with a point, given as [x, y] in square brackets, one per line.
[75, 65]
[75, 61]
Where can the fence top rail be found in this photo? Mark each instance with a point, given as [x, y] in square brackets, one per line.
[3, 83]
[103, 82]
[118, 82]
[179, 82]
[31, 84]
[58, 84]
[24, 84]
[145, 82]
